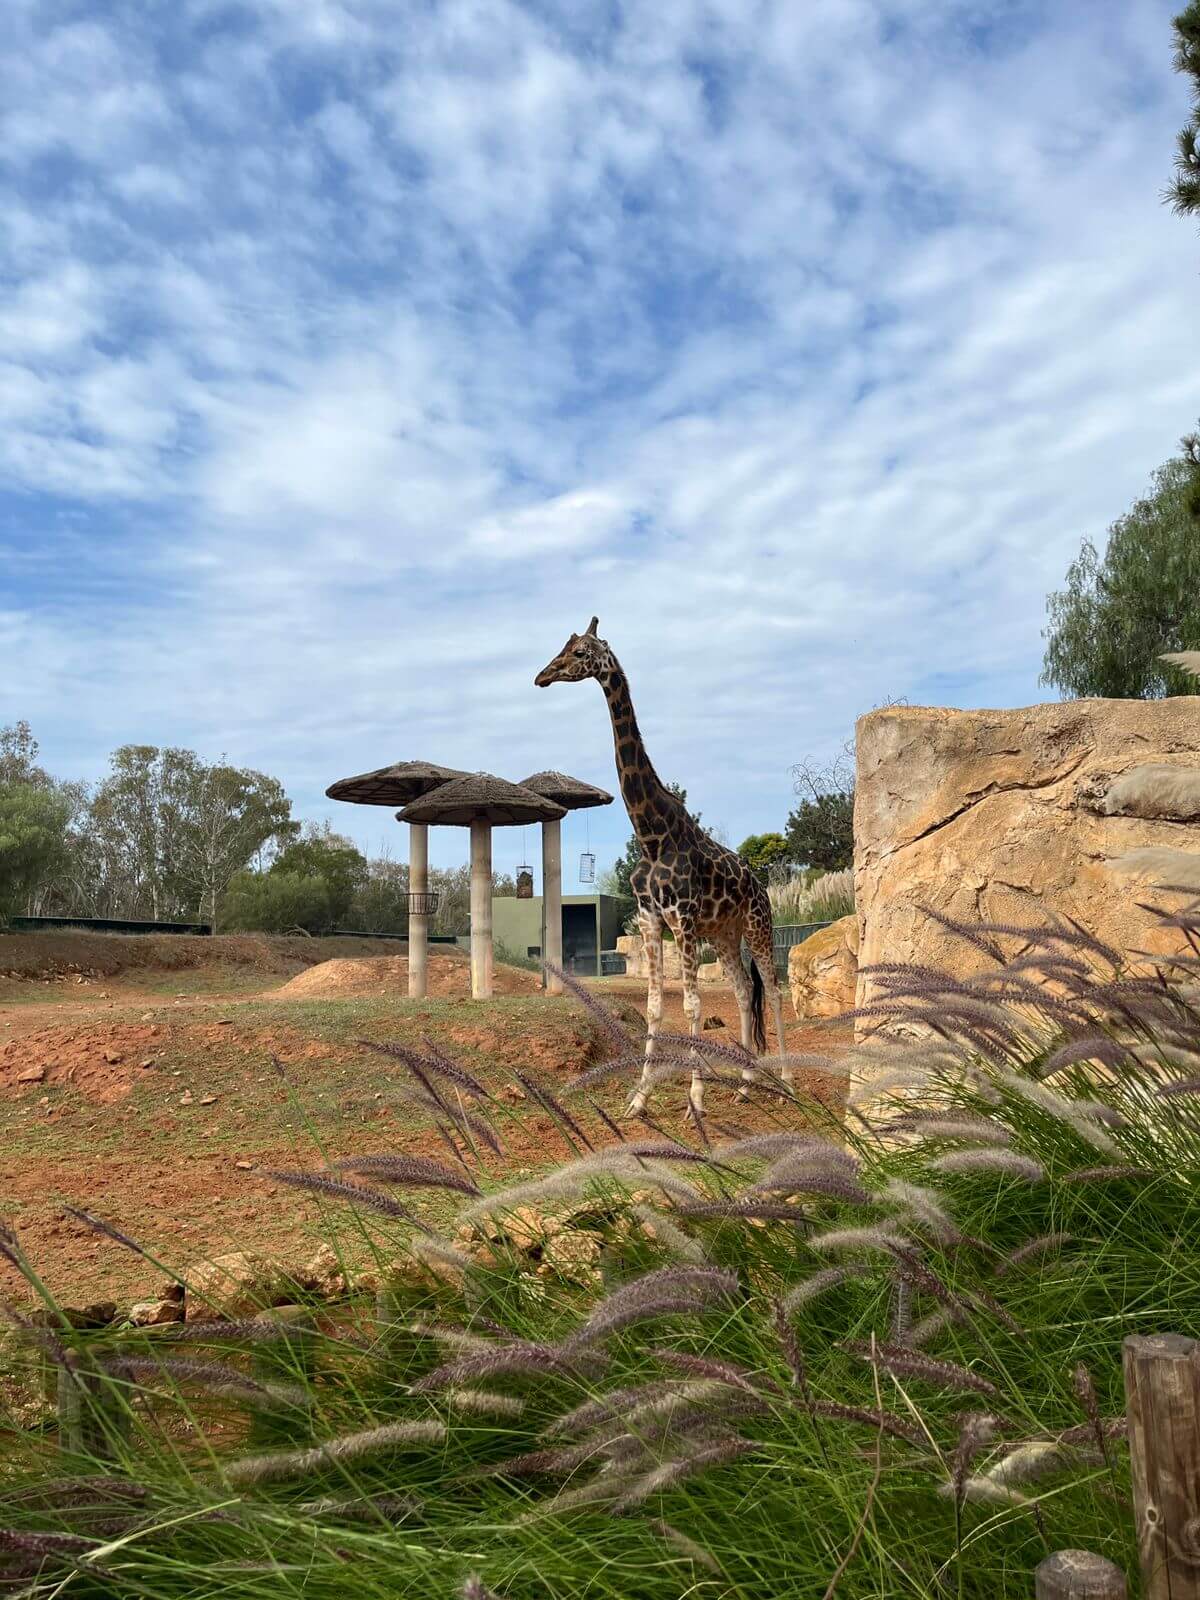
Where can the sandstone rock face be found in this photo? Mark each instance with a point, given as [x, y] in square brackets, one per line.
[823, 970]
[632, 947]
[1015, 816]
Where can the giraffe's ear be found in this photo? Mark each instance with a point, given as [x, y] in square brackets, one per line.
[593, 625]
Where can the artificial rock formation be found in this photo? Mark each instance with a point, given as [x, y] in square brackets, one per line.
[823, 970]
[1018, 816]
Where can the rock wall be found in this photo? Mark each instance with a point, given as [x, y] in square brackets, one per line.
[1014, 816]
[631, 946]
[823, 970]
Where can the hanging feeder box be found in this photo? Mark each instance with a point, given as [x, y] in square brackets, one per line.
[524, 883]
[587, 867]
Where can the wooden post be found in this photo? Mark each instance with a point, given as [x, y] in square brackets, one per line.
[418, 921]
[1078, 1575]
[1162, 1397]
[481, 910]
[552, 900]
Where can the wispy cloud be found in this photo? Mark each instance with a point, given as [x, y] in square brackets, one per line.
[347, 362]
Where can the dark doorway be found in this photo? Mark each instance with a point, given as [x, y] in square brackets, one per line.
[580, 949]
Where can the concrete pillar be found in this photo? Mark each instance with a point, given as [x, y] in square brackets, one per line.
[552, 900]
[481, 910]
[418, 921]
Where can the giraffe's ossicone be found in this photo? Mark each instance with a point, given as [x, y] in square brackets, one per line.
[685, 882]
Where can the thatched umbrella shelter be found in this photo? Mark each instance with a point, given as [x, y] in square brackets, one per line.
[573, 795]
[398, 785]
[481, 802]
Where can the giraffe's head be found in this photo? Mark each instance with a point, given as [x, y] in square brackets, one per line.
[583, 656]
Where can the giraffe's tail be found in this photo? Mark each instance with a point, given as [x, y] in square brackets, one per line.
[757, 1009]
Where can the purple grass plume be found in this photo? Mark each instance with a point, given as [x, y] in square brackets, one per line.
[1105, 1174]
[1008, 1162]
[907, 1363]
[882, 1421]
[417, 1171]
[558, 1111]
[695, 1553]
[355, 1193]
[819, 1283]
[755, 1210]
[43, 1544]
[286, 1464]
[611, 1025]
[666, 1476]
[720, 1371]
[801, 1178]
[437, 1063]
[520, 1358]
[1046, 1244]
[669, 1291]
[211, 1376]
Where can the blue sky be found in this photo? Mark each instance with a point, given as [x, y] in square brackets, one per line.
[353, 353]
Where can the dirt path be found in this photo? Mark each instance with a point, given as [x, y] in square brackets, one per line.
[162, 1112]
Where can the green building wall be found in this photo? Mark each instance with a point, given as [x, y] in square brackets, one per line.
[591, 923]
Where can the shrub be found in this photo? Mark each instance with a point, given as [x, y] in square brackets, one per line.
[275, 902]
[821, 899]
[884, 1364]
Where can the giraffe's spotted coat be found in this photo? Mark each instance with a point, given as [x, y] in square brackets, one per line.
[686, 881]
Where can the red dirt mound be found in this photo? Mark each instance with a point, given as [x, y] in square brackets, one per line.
[449, 978]
[100, 1063]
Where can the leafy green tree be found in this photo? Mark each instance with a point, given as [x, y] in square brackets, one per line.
[336, 860]
[380, 903]
[18, 757]
[1184, 192]
[762, 851]
[166, 831]
[33, 843]
[276, 902]
[820, 831]
[1119, 612]
[226, 816]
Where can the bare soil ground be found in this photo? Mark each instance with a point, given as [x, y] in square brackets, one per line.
[148, 1096]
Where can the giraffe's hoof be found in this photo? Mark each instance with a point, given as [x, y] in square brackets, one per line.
[634, 1109]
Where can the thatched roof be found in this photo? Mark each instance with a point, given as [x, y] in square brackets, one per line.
[396, 785]
[570, 793]
[481, 797]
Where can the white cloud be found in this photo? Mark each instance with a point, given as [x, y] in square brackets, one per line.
[348, 369]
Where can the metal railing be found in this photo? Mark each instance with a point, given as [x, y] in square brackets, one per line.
[785, 935]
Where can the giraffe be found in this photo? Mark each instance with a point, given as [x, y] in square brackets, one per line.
[685, 881]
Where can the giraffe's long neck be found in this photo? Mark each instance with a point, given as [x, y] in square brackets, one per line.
[656, 814]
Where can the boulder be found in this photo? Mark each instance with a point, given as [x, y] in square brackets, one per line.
[1018, 817]
[823, 970]
[234, 1285]
[631, 946]
[710, 972]
[150, 1313]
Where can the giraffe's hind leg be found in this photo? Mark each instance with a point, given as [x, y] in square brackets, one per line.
[729, 948]
[758, 937]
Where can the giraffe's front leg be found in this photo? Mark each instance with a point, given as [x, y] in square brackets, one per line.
[651, 929]
[689, 962]
[729, 948]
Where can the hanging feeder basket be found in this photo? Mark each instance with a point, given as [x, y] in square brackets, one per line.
[524, 882]
[423, 905]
